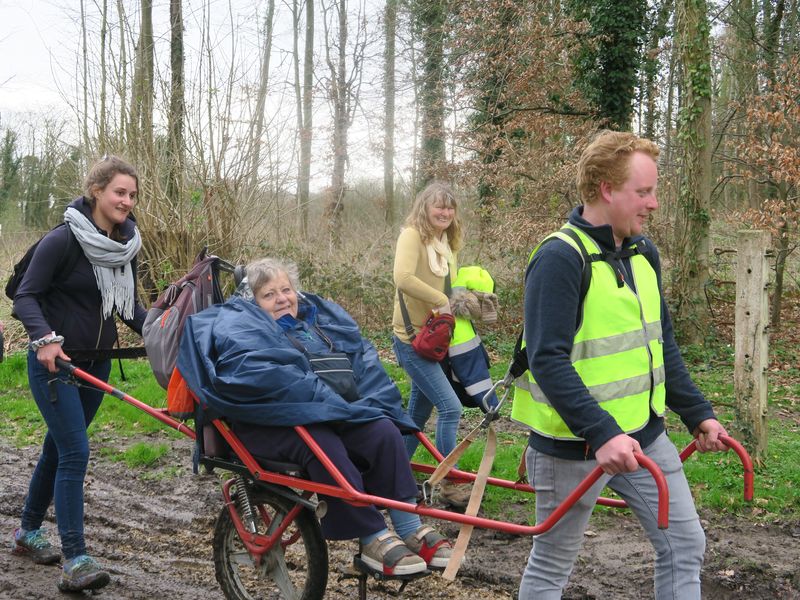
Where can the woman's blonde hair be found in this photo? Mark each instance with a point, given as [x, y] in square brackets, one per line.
[607, 159]
[260, 272]
[437, 193]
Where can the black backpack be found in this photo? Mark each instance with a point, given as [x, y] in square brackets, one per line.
[66, 263]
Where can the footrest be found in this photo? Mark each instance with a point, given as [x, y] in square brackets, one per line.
[364, 569]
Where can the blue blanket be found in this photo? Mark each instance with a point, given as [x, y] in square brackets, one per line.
[241, 366]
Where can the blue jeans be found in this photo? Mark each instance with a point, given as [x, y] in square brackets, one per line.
[429, 388]
[61, 469]
[679, 549]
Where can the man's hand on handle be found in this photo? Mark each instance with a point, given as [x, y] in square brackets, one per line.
[616, 455]
[707, 435]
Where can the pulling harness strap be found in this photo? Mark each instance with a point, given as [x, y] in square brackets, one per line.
[475, 497]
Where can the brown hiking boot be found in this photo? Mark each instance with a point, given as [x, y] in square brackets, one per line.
[455, 494]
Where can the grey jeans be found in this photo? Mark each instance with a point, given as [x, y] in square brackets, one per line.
[679, 549]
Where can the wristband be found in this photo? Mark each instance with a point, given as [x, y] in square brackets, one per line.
[44, 341]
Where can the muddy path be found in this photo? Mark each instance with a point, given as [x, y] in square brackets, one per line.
[153, 529]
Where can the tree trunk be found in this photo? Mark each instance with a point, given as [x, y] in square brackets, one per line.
[141, 128]
[306, 133]
[691, 271]
[772, 29]
[784, 235]
[175, 160]
[84, 125]
[261, 98]
[430, 16]
[652, 67]
[102, 118]
[338, 92]
[122, 137]
[389, 96]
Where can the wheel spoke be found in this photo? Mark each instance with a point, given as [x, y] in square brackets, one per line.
[295, 568]
[242, 558]
[280, 574]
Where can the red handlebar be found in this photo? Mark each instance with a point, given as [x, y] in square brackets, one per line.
[747, 462]
[99, 383]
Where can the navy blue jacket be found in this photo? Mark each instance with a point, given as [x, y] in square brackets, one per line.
[552, 297]
[70, 305]
[241, 365]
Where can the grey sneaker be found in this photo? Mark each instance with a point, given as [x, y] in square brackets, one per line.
[390, 556]
[35, 545]
[82, 573]
[431, 546]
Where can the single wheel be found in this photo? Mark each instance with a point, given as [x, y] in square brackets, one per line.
[295, 569]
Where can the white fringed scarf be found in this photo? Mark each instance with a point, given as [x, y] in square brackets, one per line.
[109, 260]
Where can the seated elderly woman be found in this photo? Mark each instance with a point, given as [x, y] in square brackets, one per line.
[257, 363]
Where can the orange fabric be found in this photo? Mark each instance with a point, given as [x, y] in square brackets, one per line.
[180, 401]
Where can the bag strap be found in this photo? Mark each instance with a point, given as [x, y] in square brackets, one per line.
[519, 360]
[301, 348]
[448, 289]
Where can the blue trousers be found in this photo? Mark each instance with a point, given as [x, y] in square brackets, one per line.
[679, 549]
[61, 469]
[370, 455]
[429, 388]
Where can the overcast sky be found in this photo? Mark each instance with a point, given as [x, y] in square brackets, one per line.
[40, 44]
[30, 35]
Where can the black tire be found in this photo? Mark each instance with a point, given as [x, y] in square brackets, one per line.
[305, 556]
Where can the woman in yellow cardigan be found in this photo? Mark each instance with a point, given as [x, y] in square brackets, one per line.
[424, 263]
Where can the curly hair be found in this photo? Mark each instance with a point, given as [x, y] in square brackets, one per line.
[438, 194]
[606, 158]
[260, 272]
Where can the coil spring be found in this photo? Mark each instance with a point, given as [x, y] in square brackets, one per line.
[245, 505]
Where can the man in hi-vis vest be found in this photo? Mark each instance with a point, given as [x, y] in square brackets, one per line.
[604, 366]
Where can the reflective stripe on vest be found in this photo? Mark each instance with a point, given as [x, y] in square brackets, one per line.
[617, 351]
[464, 336]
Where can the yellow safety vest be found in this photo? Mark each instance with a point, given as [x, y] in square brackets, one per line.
[477, 279]
[617, 350]
[465, 338]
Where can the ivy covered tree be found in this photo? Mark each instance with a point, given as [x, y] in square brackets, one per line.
[429, 18]
[610, 56]
[691, 270]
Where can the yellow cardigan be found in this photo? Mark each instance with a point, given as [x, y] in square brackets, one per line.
[422, 290]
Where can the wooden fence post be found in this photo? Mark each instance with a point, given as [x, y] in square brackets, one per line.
[752, 339]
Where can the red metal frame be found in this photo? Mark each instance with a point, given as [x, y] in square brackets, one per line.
[259, 544]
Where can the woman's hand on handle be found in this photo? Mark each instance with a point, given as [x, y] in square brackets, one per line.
[47, 355]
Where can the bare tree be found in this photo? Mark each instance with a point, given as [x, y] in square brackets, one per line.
[305, 110]
[175, 156]
[103, 118]
[343, 86]
[141, 114]
[84, 117]
[390, 29]
[261, 98]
